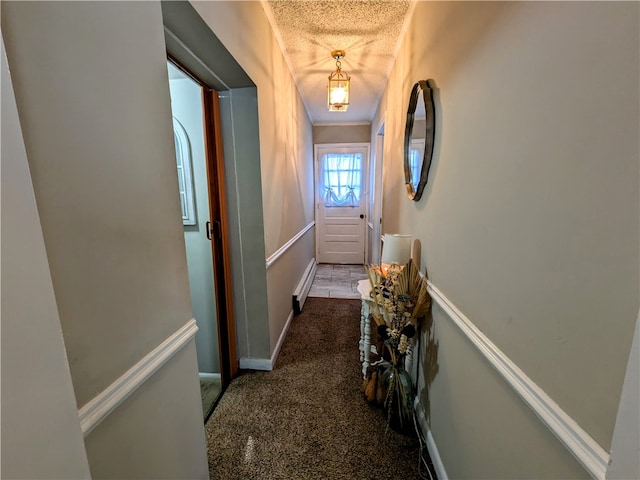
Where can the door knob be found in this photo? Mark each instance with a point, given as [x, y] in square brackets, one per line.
[362, 215]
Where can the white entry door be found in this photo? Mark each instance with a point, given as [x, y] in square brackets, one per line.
[341, 203]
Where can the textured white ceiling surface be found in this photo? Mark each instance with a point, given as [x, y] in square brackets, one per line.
[368, 30]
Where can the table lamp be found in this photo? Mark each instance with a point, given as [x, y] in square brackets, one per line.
[396, 249]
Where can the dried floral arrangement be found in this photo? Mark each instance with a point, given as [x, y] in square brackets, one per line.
[400, 301]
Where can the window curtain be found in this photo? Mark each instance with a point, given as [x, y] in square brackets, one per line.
[341, 179]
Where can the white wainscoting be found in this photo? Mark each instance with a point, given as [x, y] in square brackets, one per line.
[586, 450]
[249, 363]
[99, 408]
[278, 253]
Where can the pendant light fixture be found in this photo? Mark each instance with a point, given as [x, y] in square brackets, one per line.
[338, 90]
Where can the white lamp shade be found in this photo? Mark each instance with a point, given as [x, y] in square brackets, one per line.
[396, 248]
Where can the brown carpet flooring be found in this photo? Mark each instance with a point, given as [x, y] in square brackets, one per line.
[307, 419]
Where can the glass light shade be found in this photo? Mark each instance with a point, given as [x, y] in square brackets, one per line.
[396, 249]
[338, 98]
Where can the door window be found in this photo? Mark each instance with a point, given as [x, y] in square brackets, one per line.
[341, 179]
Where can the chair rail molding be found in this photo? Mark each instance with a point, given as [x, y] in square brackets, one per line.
[583, 447]
[101, 406]
[278, 253]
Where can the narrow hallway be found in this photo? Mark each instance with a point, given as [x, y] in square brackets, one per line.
[307, 418]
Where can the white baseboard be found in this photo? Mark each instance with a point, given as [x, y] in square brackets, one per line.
[303, 287]
[101, 406]
[441, 472]
[266, 364]
[583, 447]
[435, 458]
[209, 376]
[276, 351]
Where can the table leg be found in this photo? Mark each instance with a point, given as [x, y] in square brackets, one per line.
[408, 359]
[366, 345]
[362, 322]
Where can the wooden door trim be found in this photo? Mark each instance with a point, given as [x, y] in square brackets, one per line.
[221, 250]
[220, 244]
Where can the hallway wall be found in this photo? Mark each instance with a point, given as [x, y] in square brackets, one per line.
[530, 221]
[92, 92]
[341, 133]
[238, 110]
[32, 344]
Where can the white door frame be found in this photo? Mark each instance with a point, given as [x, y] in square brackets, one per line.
[375, 216]
[365, 187]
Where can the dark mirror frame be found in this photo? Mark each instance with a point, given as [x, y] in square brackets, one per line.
[427, 95]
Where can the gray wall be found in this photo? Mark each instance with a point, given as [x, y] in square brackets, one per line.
[530, 220]
[34, 360]
[625, 444]
[186, 106]
[241, 141]
[342, 133]
[98, 138]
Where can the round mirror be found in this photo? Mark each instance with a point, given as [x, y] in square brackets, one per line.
[418, 139]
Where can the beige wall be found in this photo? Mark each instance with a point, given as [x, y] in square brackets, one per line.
[92, 92]
[529, 223]
[342, 133]
[286, 150]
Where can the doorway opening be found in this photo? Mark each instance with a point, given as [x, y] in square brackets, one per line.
[341, 206]
[199, 164]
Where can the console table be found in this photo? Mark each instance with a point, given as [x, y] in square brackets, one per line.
[365, 347]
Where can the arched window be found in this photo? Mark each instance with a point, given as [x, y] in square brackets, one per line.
[185, 180]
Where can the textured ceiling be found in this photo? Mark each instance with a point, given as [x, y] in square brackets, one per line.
[368, 30]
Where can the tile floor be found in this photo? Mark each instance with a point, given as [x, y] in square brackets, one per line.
[337, 281]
